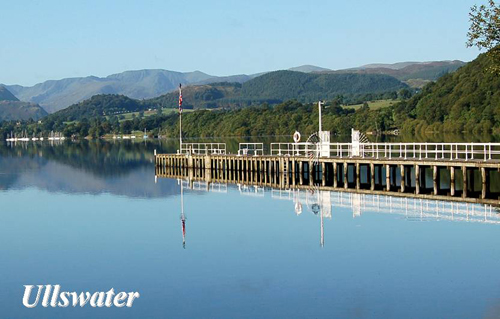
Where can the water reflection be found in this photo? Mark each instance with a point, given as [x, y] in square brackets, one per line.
[249, 249]
[183, 218]
[322, 204]
[88, 167]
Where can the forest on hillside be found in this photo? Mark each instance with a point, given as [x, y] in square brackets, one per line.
[467, 100]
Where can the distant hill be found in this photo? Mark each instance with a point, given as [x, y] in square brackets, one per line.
[415, 74]
[392, 66]
[272, 88]
[55, 95]
[308, 69]
[142, 84]
[214, 95]
[466, 100]
[276, 87]
[5, 95]
[16, 110]
[13, 109]
[99, 105]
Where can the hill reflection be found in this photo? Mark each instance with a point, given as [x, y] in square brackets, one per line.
[91, 167]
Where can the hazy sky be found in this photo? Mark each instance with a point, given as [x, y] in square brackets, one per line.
[43, 40]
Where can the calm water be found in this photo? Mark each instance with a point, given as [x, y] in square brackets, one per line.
[89, 216]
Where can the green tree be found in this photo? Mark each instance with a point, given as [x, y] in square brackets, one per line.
[484, 31]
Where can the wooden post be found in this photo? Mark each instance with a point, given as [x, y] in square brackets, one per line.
[311, 171]
[372, 176]
[335, 174]
[358, 177]
[464, 178]
[301, 172]
[345, 175]
[388, 177]
[417, 179]
[435, 179]
[452, 181]
[190, 161]
[323, 175]
[483, 180]
[403, 181]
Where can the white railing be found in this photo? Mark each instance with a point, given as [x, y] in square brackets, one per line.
[429, 151]
[251, 149]
[203, 148]
[296, 149]
[420, 151]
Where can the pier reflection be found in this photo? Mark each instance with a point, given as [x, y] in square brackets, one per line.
[322, 203]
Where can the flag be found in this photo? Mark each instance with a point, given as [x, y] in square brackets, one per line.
[180, 98]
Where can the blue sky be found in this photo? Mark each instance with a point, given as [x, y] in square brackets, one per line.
[43, 40]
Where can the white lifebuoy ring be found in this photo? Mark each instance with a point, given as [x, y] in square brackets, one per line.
[296, 137]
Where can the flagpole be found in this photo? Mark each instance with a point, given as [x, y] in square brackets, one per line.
[180, 117]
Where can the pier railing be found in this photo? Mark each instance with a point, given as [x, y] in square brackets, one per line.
[298, 149]
[203, 148]
[421, 151]
[437, 151]
[251, 149]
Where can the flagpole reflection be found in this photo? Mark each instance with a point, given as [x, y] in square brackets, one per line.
[183, 217]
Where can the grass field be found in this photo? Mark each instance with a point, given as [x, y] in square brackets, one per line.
[165, 111]
[374, 105]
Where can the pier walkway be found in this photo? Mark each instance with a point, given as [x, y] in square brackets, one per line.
[465, 171]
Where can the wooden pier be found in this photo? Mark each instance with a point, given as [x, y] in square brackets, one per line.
[457, 176]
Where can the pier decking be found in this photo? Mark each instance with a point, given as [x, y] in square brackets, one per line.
[456, 171]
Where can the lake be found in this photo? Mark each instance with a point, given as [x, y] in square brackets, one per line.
[90, 216]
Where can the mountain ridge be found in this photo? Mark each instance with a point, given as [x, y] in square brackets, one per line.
[13, 109]
[271, 88]
[6, 95]
[54, 95]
